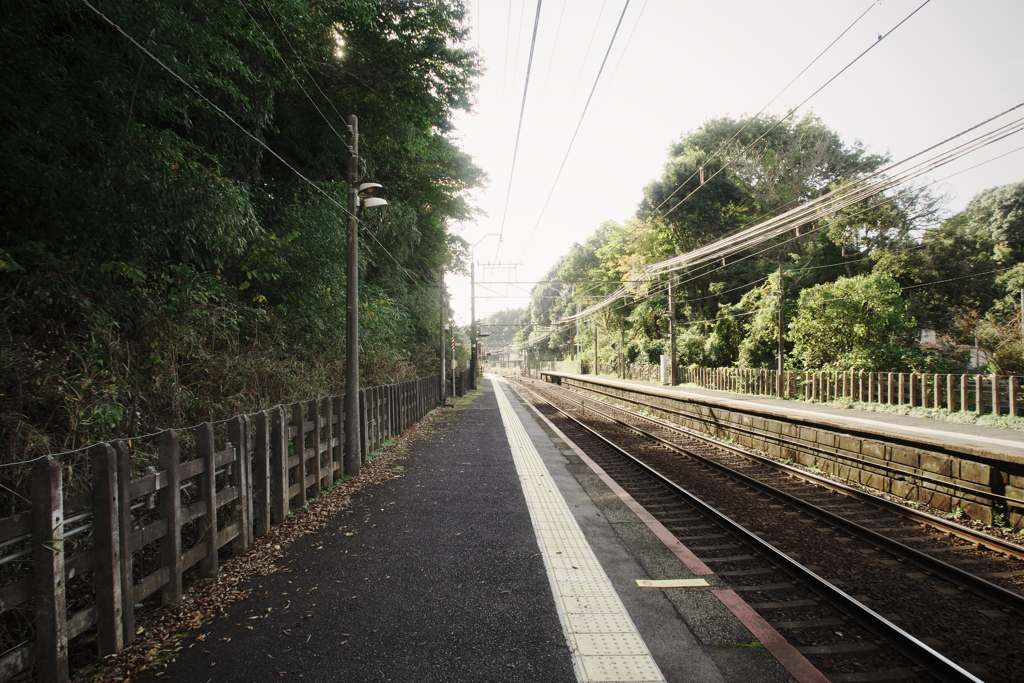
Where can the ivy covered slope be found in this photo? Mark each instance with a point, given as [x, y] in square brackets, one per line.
[158, 265]
[859, 284]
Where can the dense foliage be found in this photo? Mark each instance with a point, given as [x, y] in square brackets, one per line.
[858, 285]
[158, 264]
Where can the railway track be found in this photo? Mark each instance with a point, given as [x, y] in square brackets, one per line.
[760, 517]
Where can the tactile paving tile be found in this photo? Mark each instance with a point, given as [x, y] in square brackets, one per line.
[572, 560]
[589, 603]
[577, 575]
[619, 668]
[600, 622]
[573, 590]
[606, 645]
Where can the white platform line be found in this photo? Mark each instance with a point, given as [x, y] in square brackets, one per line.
[605, 644]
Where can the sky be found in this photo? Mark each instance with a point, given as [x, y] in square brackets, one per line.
[673, 65]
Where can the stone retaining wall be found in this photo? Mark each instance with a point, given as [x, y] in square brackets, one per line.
[981, 484]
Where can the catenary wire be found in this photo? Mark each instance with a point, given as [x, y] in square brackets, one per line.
[554, 49]
[821, 206]
[625, 47]
[576, 132]
[586, 53]
[777, 95]
[519, 128]
[805, 101]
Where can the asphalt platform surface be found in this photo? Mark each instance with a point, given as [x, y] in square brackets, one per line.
[441, 581]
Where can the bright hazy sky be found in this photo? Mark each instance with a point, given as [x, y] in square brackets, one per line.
[675, 64]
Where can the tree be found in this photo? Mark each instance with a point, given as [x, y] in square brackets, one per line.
[859, 322]
[159, 263]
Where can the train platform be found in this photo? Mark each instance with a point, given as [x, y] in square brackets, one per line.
[501, 554]
[1004, 442]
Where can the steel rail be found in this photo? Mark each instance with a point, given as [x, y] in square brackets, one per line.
[832, 454]
[1002, 597]
[938, 665]
[966, 533]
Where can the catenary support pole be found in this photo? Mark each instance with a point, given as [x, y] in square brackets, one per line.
[673, 379]
[440, 312]
[352, 432]
[472, 324]
[622, 349]
[782, 295]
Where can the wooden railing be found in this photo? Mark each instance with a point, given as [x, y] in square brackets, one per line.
[136, 535]
[997, 394]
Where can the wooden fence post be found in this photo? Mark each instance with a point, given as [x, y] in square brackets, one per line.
[1012, 384]
[238, 428]
[362, 426]
[313, 408]
[950, 400]
[48, 560]
[169, 506]
[107, 549]
[374, 398]
[299, 449]
[261, 475]
[124, 521]
[207, 485]
[979, 400]
[337, 454]
[279, 498]
[995, 395]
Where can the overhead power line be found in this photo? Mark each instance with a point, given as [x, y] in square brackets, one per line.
[827, 204]
[576, 132]
[255, 139]
[519, 129]
[586, 53]
[791, 111]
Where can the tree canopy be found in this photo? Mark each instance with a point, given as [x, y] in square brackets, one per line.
[858, 284]
[174, 244]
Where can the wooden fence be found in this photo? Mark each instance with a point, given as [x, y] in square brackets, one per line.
[998, 394]
[640, 372]
[204, 501]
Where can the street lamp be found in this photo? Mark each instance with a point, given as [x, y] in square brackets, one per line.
[473, 359]
[359, 195]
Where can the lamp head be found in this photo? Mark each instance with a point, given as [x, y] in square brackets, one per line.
[371, 202]
[368, 189]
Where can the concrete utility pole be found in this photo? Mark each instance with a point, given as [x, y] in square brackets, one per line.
[673, 380]
[595, 348]
[622, 349]
[353, 448]
[472, 322]
[778, 380]
[440, 313]
[474, 360]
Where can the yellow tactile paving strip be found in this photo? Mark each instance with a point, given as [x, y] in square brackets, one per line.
[605, 644]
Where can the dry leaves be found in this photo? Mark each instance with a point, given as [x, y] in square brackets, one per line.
[160, 632]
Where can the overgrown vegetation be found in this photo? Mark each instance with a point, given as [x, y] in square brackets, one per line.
[859, 285]
[158, 265]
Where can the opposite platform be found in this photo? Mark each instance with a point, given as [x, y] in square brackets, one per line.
[1006, 442]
